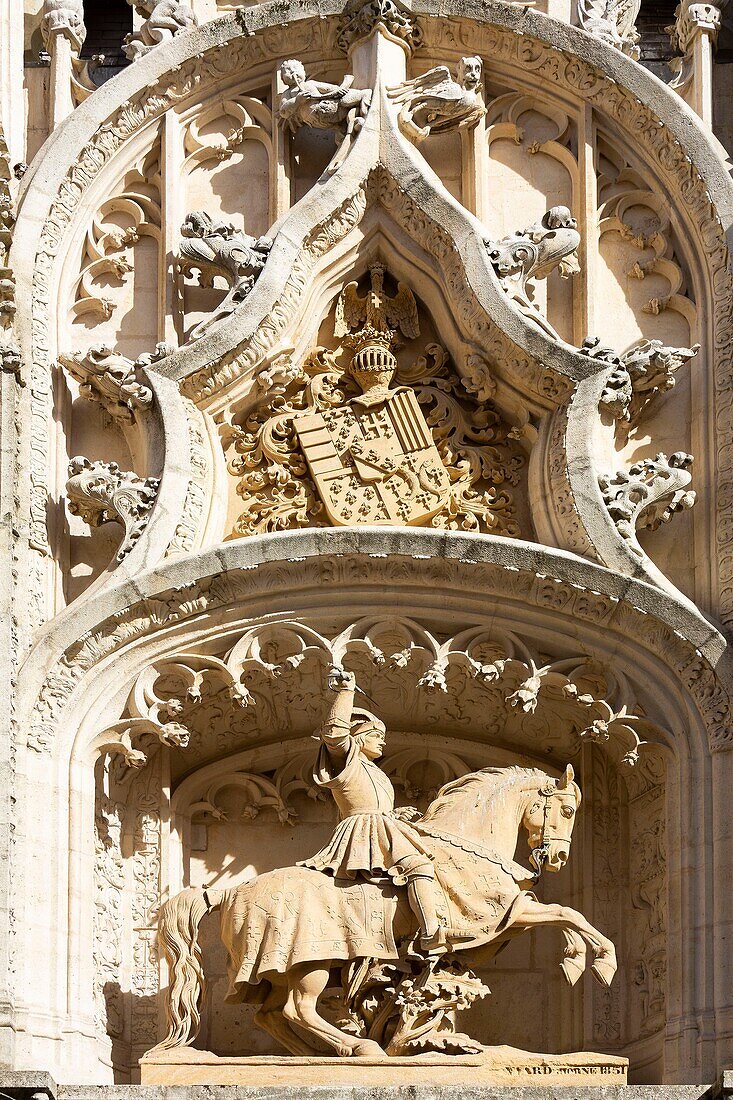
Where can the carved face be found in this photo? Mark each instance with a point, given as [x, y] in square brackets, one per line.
[469, 72]
[549, 821]
[372, 737]
[292, 73]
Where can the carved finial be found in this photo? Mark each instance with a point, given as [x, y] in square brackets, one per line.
[360, 18]
[163, 20]
[378, 319]
[435, 103]
[216, 248]
[100, 492]
[648, 494]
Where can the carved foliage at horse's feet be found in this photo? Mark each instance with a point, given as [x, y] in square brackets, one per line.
[408, 1007]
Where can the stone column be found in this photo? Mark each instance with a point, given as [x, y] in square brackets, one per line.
[63, 33]
[695, 34]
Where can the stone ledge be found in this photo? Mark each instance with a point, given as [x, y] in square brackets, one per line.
[501, 1065]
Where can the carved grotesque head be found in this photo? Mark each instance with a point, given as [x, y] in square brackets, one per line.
[469, 72]
[292, 73]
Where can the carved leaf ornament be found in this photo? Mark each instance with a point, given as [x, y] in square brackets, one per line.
[277, 657]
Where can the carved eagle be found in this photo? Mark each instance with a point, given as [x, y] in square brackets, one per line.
[376, 309]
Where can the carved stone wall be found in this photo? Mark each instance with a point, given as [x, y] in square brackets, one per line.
[355, 337]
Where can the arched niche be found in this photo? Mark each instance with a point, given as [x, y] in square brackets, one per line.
[142, 680]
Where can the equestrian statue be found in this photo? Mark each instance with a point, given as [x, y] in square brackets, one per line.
[391, 913]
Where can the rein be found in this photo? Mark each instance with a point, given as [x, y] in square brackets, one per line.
[541, 854]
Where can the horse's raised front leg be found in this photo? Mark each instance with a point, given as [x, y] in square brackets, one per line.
[305, 985]
[529, 913]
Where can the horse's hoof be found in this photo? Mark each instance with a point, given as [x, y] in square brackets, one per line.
[367, 1048]
[603, 971]
[572, 968]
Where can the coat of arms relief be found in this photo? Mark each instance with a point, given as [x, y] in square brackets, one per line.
[378, 428]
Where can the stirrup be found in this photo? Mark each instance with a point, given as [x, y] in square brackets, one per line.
[435, 944]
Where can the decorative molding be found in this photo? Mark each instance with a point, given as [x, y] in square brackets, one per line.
[648, 494]
[266, 667]
[99, 492]
[230, 586]
[560, 68]
[107, 255]
[110, 380]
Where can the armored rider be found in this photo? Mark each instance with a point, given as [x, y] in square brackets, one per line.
[372, 840]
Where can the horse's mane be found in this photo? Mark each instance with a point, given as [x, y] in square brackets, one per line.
[492, 780]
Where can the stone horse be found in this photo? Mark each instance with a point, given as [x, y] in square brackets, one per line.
[288, 929]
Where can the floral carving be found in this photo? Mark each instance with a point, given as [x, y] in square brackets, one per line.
[648, 494]
[639, 375]
[99, 492]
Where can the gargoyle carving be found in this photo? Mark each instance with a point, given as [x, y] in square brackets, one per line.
[64, 17]
[638, 375]
[100, 492]
[533, 253]
[111, 380]
[648, 494]
[216, 248]
[612, 21]
[435, 103]
[322, 106]
[164, 20]
[360, 18]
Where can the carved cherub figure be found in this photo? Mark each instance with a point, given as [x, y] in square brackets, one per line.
[372, 841]
[435, 103]
[322, 106]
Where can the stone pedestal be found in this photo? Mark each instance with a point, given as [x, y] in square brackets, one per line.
[495, 1066]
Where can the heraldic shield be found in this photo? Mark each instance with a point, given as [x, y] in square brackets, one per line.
[375, 464]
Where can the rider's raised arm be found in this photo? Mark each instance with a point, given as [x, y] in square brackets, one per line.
[335, 733]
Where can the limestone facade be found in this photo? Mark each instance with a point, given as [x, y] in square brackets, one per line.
[367, 337]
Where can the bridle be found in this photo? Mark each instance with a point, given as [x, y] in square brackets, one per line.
[541, 854]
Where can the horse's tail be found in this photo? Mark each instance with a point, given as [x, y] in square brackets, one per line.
[178, 926]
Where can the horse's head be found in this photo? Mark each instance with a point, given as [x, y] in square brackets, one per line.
[549, 820]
